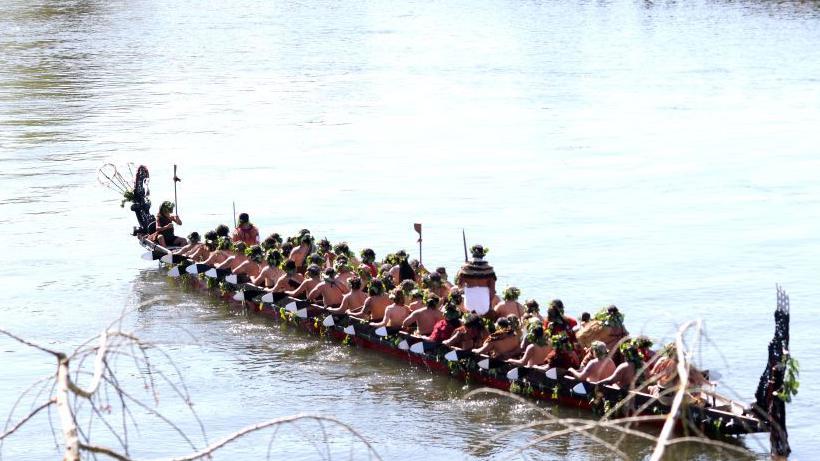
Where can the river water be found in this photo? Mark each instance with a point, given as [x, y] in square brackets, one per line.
[662, 156]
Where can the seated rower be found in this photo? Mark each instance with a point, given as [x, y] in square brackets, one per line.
[563, 353]
[402, 271]
[222, 231]
[325, 250]
[164, 234]
[299, 254]
[272, 241]
[557, 322]
[416, 300]
[537, 349]
[425, 319]
[201, 250]
[445, 327]
[245, 231]
[312, 279]
[375, 304]
[344, 271]
[342, 249]
[369, 261]
[396, 313]
[665, 374]
[533, 311]
[625, 375]
[329, 289]
[442, 272]
[503, 343]
[510, 305]
[585, 319]
[598, 368]
[253, 265]
[353, 300]
[272, 272]
[470, 335]
[221, 254]
[193, 243]
[289, 280]
[433, 283]
[236, 259]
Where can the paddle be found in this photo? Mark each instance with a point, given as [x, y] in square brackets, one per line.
[417, 227]
[176, 180]
[464, 239]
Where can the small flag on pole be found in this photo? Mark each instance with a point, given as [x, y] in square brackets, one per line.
[417, 227]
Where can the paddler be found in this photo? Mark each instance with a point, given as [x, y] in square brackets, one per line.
[375, 304]
[353, 300]
[396, 313]
[538, 348]
[253, 265]
[221, 254]
[193, 244]
[312, 279]
[300, 253]
[289, 280]
[510, 305]
[425, 319]
[599, 367]
[200, 251]
[245, 231]
[164, 234]
[503, 343]
[271, 273]
[625, 375]
[477, 279]
[329, 289]
[236, 259]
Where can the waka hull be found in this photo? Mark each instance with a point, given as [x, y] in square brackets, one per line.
[552, 386]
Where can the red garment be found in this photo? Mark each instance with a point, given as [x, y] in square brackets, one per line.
[442, 331]
[249, 235]
[562, 359]
[372, 268]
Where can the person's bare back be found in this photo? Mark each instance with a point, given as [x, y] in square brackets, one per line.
[506, 308]
[425, 320]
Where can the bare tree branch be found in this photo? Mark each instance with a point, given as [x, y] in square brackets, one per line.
[28, 417]
[274, 422]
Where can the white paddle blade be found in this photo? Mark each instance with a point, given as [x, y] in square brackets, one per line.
[484, 364]
[174, 272]
[512, 375]
[233, 278]
[580, 389]
[381, 331]
[328, 321]
[267, 298]
[211, 273]
[239, 296]
[552, 373]
[167, 259]
[417, 348]
[148, 256]
[350, 330]
[451, 356]
[191, 269]
[291, 307]
[302, 313]
[403, 345]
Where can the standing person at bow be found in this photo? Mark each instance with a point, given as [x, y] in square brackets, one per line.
[245, 231]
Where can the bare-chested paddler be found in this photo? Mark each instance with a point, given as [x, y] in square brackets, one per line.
[312, 279]
[396, 313]
[289, 280]
[330, 290]
[236, 259]
[375, 304]
[271, 272]
[510, 305]
[503, 343]
[416, 300]
[354, 299]
[425, 319]
[221, 253]
[253, 265]
[193, 243]
[537, 349]
[344, 271]
[202, 250]
[601, 367]
[301, 252]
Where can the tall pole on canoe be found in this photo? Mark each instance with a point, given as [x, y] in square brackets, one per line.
[464, 239]
[176, 180]
[234, 214]
[417, 227]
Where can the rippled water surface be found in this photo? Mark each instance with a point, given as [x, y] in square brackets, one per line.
[662, 156]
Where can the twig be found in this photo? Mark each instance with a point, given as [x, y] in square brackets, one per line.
[28, 417]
